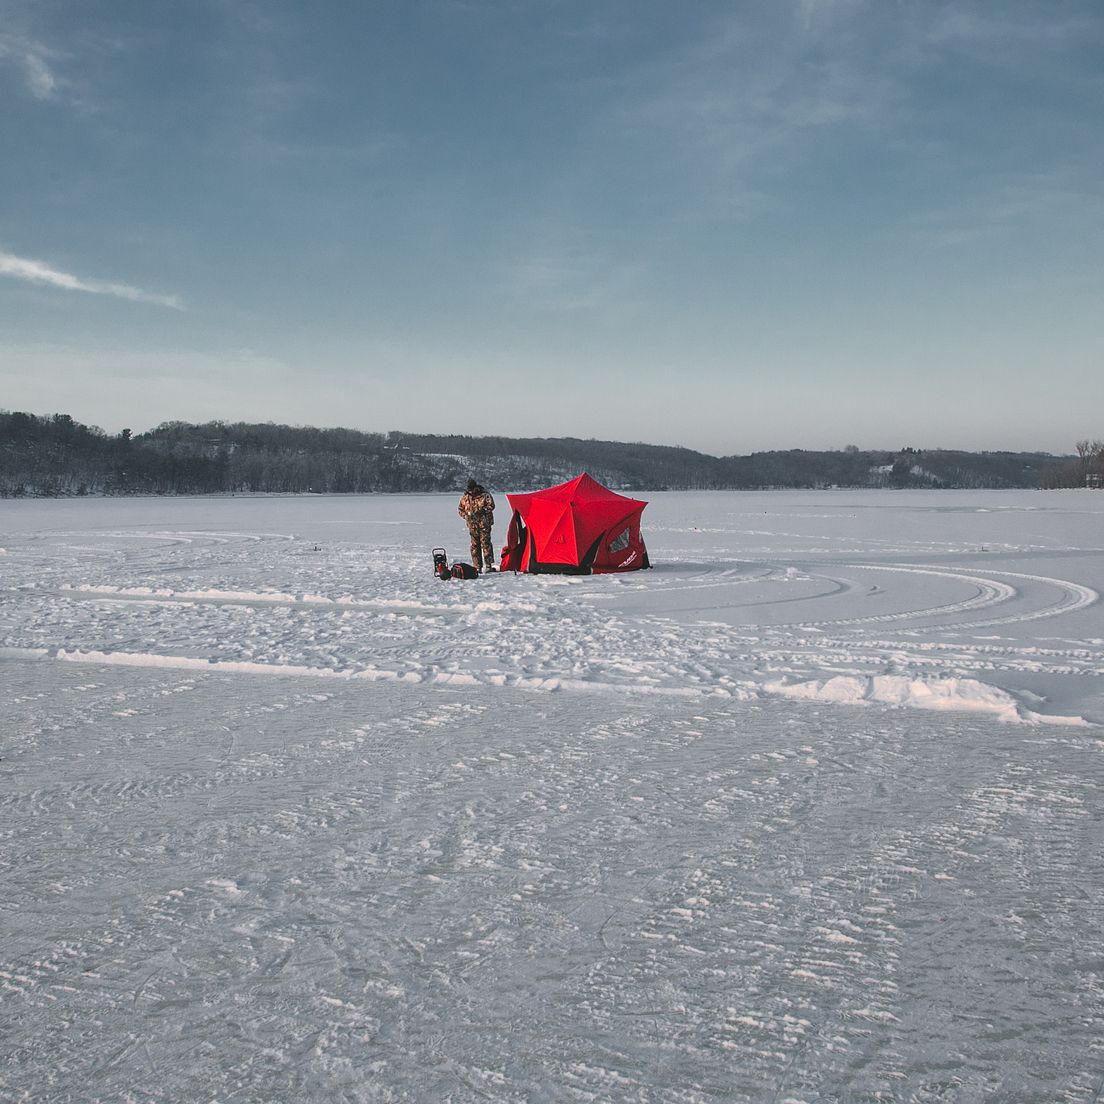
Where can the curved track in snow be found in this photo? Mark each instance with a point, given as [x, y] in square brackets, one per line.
[987, 592]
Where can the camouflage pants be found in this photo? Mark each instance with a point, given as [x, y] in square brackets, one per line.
[479, 529]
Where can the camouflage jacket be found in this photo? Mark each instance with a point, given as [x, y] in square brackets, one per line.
[476, 507]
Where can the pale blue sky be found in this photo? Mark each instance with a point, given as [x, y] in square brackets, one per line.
[728, 225]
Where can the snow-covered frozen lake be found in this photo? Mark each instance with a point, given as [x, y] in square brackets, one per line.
[810, 812]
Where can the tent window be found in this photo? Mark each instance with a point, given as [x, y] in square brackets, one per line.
[620, 542]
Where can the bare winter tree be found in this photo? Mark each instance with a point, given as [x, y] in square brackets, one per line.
[1090, 462]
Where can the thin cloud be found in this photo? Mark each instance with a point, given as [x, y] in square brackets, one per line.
[1049, 204]
[33, 61]
[745, 95]
[962, 26]
[37, 272]
[569, 280]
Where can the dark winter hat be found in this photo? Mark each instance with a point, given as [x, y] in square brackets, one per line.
[472, 485]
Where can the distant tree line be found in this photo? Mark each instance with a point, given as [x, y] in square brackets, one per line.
[54, 455]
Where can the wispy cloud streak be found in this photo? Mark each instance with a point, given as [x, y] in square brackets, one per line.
[568, 280]
[34, 61]
[37, 272]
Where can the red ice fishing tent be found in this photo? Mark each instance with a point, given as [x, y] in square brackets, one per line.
[577, 528]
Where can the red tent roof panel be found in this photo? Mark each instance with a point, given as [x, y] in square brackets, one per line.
[566, 524]
[582, 490]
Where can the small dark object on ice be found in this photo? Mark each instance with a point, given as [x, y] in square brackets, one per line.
[440, 564]
[458, 570]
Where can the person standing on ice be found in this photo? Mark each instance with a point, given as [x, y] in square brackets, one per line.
[477, 509]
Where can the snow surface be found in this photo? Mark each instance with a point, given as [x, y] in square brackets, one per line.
[811, 811]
